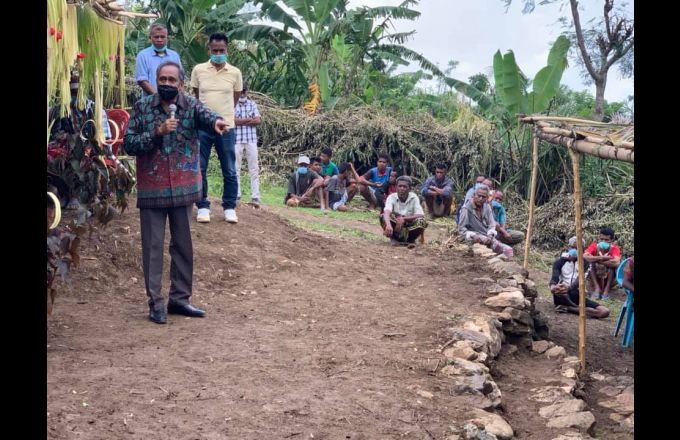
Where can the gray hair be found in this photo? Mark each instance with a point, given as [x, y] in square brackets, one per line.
[482, 187]
[406, 179]
[157, 26]
[572, 242]
[170, 63]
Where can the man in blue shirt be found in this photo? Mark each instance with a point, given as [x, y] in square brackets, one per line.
[505, 235]
[374, 183]
[437, 191]
[150, 58]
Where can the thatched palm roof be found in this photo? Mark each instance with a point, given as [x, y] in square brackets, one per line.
[609, 141]
[112, 10]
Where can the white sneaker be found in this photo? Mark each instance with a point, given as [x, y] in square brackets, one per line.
[203, 215]
[230, 215]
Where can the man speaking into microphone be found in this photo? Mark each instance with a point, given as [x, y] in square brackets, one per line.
[163, 135]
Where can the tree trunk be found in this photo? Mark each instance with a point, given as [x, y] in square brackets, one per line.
[599, 96]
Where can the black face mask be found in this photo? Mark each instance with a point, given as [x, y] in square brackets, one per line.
[167, 92]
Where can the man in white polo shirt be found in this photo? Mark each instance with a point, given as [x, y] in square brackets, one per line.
[218, 84]
[403, 219]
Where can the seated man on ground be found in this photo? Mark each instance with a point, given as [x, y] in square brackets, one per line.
[392, 183]
[505, 234]
[468, 195]
[478, 225]
[328, 169]
[339, 187]
[374, 183]
[315, 165]
[488, 182]
[438, 193]
[403, 219]
[628, 276]
[564, 285]
[604, 258]
[303, 184]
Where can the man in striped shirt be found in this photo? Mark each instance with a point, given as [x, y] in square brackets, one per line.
[247, 117]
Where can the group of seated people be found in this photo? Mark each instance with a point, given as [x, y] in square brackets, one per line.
[601, 260]
[319, 182]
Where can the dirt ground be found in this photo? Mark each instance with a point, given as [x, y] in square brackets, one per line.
[604, 354]
[308, 335]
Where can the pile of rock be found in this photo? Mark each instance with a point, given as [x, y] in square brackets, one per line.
[513, 318]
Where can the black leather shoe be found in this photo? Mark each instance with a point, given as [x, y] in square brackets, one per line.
[185, 310]
[157, 316]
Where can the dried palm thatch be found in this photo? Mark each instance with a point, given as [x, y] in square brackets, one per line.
[417, 142]
[609, 141]
[414, 142]
[554, 220]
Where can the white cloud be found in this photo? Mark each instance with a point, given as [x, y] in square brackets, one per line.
[471, 31]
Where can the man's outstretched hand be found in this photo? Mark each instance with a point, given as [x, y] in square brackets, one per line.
[221, 126]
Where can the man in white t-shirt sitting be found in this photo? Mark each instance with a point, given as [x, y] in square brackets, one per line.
[403, 219]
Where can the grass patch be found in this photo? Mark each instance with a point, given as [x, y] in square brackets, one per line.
[333, 229]
[273, 191]
[540, 260]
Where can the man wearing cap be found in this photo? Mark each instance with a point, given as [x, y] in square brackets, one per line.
[403, 219]
[163, 135]
[218, 84]
[302, 185]
[564, 285]
[247, 117]
[150, 58]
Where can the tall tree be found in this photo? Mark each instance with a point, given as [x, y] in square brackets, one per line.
[607, 41]
[312, 27]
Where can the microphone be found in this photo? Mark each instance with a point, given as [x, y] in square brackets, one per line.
[173, 109]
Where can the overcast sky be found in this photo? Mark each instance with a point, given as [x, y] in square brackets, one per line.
[471, 31]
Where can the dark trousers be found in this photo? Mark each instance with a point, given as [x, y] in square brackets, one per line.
[409, 231]
[439, 206]
[181, 254]
[226, 153]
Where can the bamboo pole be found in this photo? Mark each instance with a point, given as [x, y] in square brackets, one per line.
[575, 156]
[135, 14]
[532, 119]
[547, 128]
[532, 199]
[603, 151]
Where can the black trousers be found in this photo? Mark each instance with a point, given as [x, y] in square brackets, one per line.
[181, 254]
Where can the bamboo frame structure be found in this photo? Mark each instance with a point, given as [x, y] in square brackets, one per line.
[532, 199]
[575, 156]
[578, 142]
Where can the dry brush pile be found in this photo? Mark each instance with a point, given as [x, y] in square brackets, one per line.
[416, 142]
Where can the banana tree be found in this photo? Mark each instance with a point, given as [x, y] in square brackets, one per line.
[312, 26]
[510, 95]
[371, 43]
[511, 83]
[190, 22]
